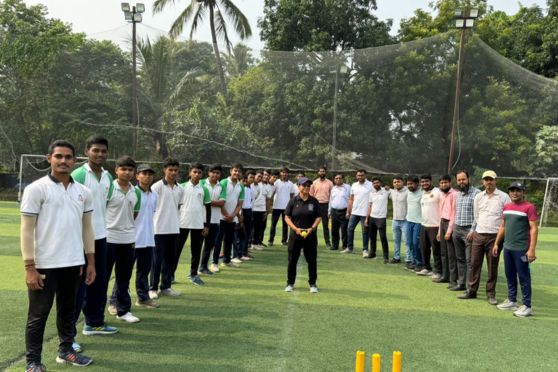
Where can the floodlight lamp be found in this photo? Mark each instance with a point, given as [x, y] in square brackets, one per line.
[460, 23]
[125, 7]
[128, 16]
[469, 22]
[458, 13]
[137, 17]
[343, 69]
[474, 13]
[140, 8]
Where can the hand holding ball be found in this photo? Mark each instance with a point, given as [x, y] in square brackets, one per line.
[303, 233]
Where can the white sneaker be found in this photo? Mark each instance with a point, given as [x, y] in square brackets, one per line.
[258, 247]
[236, 260]
[436, 276]
[365, 253]
[245, 258]
[289, 288]
[424, 272]
[153, 295]
[214, 268]
[169, 292]
[346, 250]
[523, 311]
[128, 318]
[313, 289]
[507, 305]
[112, 310]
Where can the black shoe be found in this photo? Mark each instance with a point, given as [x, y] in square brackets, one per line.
[457, 288]
[440, 280]
[35, 367]
[394, 261]
[269, 244]
[467, 296]
[204, 272]
[263, 245]
[284, 243]
[73, 358]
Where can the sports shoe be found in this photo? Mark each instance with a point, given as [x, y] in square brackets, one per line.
[258, 247]
[346, 250]
[313, 289]
[77, 347]
[284, 243]
[196, 280]
[365, 253]
[214, 268]
[151, 303]
[169, 292]
[523, 312]
[269, 244]
[492, 301]
[205, 272]
[236, 260]
[73, 358]
[424, 272]
[246, 258]
[395, 261]
[112, 310]
[35, 367]
[102, 330]
[289, 288]
[467, 296]
[263, 245]
[153, 295]
[128, 318]
[436, 276]
[507, 305]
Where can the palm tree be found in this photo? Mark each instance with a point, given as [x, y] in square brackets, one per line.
[196, 12]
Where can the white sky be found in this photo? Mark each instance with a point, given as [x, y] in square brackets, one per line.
[103, 19]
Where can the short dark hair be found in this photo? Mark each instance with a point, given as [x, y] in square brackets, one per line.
[171, 162]
[322, 167]
[216, 167]
[376, 179]
[251, 172]
[61, 143]
[398, 177]
[462, 171]
[413, 178]
[197, 166]
[301, 173]
[275, 173]
[285, 169]
[361, 171]
[236, 166]
[426, 176]
[125, 161]
[341, 175]
[445, 177]
[260, 171]
[95, 140]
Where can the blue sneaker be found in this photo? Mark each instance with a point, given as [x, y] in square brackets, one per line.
[102, 330]
[35, 367]
[73, 358]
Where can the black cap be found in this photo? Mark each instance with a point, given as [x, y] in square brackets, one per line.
[517, 185]
[303, 181]
[145, 168]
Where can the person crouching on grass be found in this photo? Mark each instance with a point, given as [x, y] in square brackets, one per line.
[520, 232]
[302, 214]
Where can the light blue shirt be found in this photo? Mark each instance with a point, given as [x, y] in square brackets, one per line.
[414, 213]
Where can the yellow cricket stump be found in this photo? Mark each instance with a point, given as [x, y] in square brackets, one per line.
[377, 362]
[359, 361]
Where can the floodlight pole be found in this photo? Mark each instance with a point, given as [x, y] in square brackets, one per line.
[334, 139]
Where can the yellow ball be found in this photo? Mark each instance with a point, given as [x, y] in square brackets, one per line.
[303, 233]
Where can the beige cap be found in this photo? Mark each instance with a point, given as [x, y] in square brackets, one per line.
[489, 174]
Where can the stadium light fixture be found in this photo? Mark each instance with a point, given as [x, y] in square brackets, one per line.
[464, 20]
[125, 7]
[140, 8]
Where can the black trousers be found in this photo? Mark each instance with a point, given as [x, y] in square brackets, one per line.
[339, 222]
[227, 231]
[61, 283]
[196, 241]
[163, 261]
[376, 225]
[259, 227]
[209, 245]
[121, 257]
[96, 293]
[324, 207]
[449, 260]
[310, 247]
[274, 219]
[144, 260]
[245, 234]
[429, 244]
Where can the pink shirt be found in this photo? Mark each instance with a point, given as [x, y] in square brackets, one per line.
[447, 207]
[321, 190]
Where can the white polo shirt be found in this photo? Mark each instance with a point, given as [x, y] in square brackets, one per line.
[214, 193]
[99, 191]
[259, 192]
[192, 208]
[429, 207]
[361, 196]
[59, 228]
[284, 191]
[379, 199]
[144, 221]
[231, 193]
[167, 218]
[121, 205]
[248, 198]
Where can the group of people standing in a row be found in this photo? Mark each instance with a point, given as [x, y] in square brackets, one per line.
[119, 225]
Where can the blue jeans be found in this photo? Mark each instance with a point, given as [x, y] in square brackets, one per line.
[413, 240]
[353, 222]
[517, 265]
[399, 228]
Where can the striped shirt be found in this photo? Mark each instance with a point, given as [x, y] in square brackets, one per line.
[464, 207]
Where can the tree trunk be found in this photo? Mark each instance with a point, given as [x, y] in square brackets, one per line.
[216, 51]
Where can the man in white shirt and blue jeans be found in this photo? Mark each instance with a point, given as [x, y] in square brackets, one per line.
[358, 210]
[376, 219]
[284, 190]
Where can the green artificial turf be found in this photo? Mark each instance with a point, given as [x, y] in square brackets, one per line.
[241, 320]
